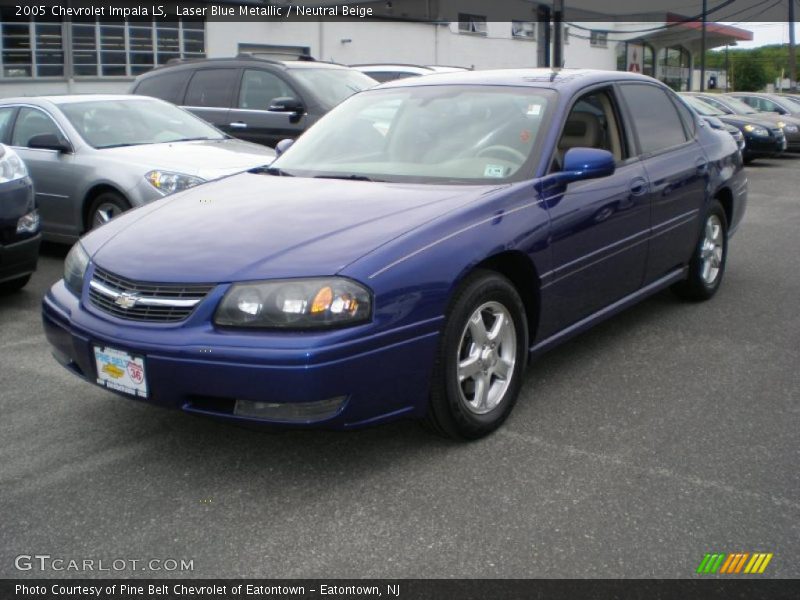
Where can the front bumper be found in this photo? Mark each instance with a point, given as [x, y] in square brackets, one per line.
[382, 376]
[762, 146]
[19, 259]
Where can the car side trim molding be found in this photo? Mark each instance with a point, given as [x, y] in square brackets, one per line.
[608, 311]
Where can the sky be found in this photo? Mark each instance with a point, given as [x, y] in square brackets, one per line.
[767, 33]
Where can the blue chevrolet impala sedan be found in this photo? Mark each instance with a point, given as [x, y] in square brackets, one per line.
[408, 255]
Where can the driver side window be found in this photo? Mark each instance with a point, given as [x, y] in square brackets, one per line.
[32, 122]
[592, 123]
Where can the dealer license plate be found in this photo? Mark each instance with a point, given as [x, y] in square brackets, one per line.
[120, 371]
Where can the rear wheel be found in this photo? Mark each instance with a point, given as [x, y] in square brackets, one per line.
[104, 208]
[482, 355]
[707, 265]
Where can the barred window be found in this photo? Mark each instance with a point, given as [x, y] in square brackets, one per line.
[30, 48]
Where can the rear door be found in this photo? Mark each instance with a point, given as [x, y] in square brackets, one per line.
[250, 118]
[210, 93]
[677, 169]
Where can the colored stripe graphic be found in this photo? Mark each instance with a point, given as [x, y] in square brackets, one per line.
[734, 563]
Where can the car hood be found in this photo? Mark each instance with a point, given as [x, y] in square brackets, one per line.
[254, 226]
[209, 159]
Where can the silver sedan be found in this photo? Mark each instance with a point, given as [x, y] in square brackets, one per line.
[93, 157]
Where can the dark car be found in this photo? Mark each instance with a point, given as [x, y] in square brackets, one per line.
[790, 126]
[19, 223]
[255, 99]
[773, 103]
[760, 138]
[404, 258]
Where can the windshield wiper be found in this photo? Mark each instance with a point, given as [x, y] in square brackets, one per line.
[271, 171]
[351, 177]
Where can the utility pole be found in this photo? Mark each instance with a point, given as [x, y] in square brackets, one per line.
[727, 70]
[558, 42]
[703, 49]
[792, 51]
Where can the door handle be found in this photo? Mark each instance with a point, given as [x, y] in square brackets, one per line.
[638, 186]
[238, 125]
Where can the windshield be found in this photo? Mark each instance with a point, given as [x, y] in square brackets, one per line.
[703, 108]
[793, 99]
[737, 106]
[450, 134]
[331, 86]
[114, 123]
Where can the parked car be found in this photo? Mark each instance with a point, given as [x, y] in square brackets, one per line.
[256, 99]
[773, 103]
[389, 72]
[93, 157]
[733, 106]
[759, 137]
[409, 268]
[19, 222]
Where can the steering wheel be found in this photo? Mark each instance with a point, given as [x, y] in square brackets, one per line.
[516, 155]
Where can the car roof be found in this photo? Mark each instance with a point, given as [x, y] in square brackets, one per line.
[243, 60]
[71, 99]
[559, 79]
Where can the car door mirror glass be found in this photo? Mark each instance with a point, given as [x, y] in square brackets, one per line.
[48, 141]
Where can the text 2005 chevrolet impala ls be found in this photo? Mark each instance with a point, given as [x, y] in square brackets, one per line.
[407, 255]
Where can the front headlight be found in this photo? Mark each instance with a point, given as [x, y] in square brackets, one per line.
[167, 182]
[75, 268]
[11, 165]
[790, 128]
[295, 304]
[756, 130]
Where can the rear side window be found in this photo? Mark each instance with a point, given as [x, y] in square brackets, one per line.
[168, 86]
[655, 117]
[211, 87]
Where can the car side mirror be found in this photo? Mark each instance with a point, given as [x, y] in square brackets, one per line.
[49, 141]
[586, 163]
[286, 104]
[283, 146]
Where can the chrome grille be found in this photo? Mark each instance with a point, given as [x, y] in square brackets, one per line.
[139, 301]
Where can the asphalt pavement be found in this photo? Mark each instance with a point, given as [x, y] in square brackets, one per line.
[668, 432]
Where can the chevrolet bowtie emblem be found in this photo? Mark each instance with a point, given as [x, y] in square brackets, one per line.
[126, 300]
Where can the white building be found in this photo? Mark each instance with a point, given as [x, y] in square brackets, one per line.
[98, 56]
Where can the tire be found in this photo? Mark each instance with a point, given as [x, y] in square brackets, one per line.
[105, 207]
[707, 265]
[9, 287]
[465, 407]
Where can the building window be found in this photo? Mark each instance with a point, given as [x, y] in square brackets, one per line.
[598, 39]
[523, 30]
[31, 49]
[107, 49]
[472, 23]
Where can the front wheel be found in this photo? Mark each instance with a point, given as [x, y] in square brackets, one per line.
[481, 359]
[105, 207]
[707, 264]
